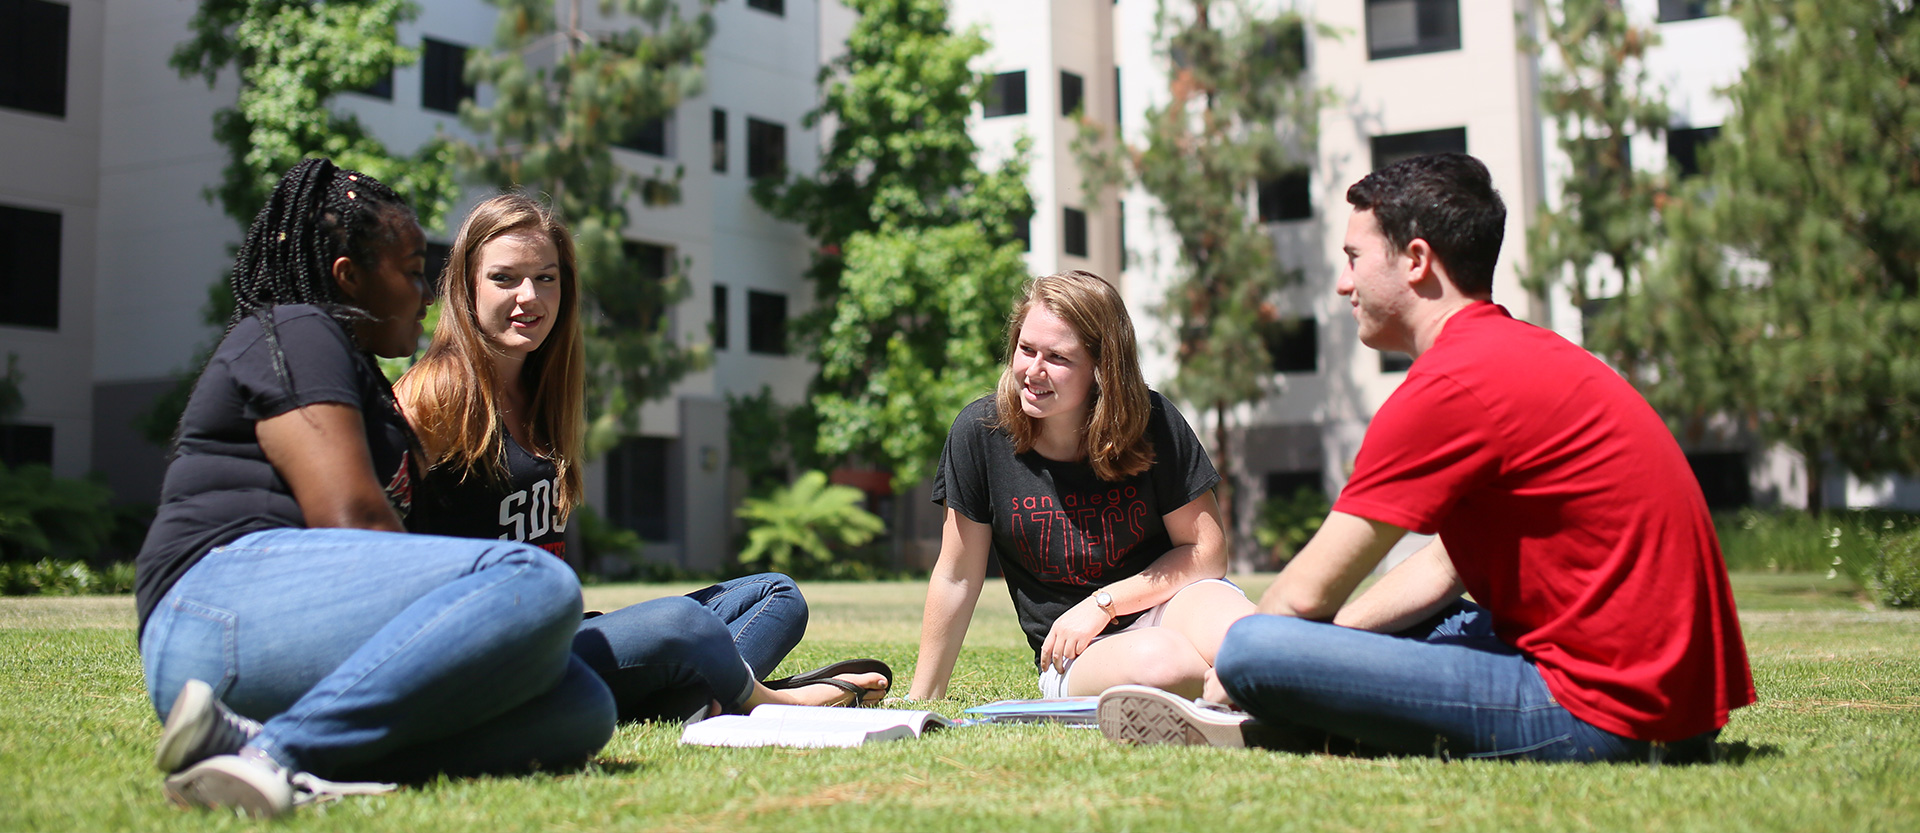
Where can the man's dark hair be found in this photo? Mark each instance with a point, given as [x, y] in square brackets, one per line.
[1446, 199]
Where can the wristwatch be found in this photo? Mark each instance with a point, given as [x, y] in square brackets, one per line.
[1104, 600]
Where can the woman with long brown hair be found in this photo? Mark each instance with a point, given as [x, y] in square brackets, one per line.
[1096, 498]
[498, 402]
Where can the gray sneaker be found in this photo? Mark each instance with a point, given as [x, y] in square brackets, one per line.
[1145, 715]
[200, 727]
[251, 782]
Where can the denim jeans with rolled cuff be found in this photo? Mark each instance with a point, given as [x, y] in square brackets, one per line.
[668, 658]
[385, 656]
[1446, 687]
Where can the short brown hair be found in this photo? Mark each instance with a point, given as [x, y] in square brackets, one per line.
[1117, 446]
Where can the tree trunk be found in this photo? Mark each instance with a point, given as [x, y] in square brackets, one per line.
[1238, 561]
[1816, 487]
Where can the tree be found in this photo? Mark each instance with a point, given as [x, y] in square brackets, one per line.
[1789, 293]
[1238, 115]
[805, 519]
[1599, 242]
[564, 95]
[918, 259]
[293, 59]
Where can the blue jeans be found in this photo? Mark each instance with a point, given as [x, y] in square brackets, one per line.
[380, 655]
[1446, 687]
[668, 658]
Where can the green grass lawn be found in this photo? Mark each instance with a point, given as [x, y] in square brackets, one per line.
[1833, 744]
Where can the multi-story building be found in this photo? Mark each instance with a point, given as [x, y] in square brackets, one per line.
[107, 244]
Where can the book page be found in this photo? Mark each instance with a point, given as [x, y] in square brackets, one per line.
[917, 721]
[744, 730]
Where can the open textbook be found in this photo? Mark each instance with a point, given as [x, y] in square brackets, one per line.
[1073, 711]
[778, 725]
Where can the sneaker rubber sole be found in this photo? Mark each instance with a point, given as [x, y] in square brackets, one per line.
[1143, 715]
[234, 782]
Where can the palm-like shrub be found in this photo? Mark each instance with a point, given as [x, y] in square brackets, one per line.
[807, 520]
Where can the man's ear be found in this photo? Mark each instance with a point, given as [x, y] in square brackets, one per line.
[1421, 263]
[347, 277]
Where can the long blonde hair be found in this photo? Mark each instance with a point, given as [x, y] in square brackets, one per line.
[1116, 429]
[452, 395]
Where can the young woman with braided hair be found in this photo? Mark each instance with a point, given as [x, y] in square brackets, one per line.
[290, 629]
[498, 402]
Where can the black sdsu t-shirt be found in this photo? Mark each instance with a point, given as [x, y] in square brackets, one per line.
[525, 507]
[1059, 531]
[219, 486]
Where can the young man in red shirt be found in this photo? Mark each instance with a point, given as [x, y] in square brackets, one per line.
[1601, 627]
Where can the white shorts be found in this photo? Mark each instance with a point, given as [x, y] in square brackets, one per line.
[1054, 683]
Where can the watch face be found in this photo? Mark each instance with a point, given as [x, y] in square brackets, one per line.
[1103, 599]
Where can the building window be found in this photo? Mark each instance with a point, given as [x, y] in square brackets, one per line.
[437, 254]
[1283, 485]
[1288, 197]
[443, 76]
[1073, 91]
[1672, 10]
[637, 485]
[650, 137]
[719, 141]
[26, 445]
[1392, 362]
[381, 88]
[1683, 147]
[1007, 94]
[766, 148]
[777, 8]
[1023, 230]
[1723, 478]
[1390, 149]
[1122, 226]
[652, 263]
[1073, 231]
[1294, 345]
[719, 316]
[1116, 100]
[766, 323]
[1411, 27]
[33, 76]
[30, 268]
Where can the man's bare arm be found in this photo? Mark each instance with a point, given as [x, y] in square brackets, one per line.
[1409, 593]
[1318, 581]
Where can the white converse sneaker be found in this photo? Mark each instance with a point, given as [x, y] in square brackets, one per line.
[199, 727]
[1141, 714]
[250, 782]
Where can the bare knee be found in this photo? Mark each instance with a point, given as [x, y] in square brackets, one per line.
[1154, 657]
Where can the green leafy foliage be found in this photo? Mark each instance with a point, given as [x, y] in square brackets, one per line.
[801, 526]
[1287, 523]
[918, 261]
[564, 94]
[1597, 243]
[42, 515]
[1791, 287]
[1896, 575]
[768, 441]
[1239, 113]
[62, 577]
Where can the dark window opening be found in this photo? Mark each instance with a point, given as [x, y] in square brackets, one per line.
[1675, 10]
[1394, 362]
[26, 445]
[381, 88]
[1122, 226]
[777, 8]
[1411, 27]
[1073, 232]
[719, 316]
[1285, 484]
[1294, 345]
[1073, 90]
[649, 137]
[443, 76]
[636, 307]
[1023, 231]
[33, 75]
[437, 255]
[766, 323]
[1116, 99]
[1390, 149]
[637, 486]
[1683, 147]
[30, 267]
[719, 141]
[1288, 197]
[1592, 309]
[1007, 94]
[766, 148]
[1723, 478]
[1287, 46]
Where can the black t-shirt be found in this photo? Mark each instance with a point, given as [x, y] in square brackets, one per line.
[1059, 531]
[525, 507]
[219, 485]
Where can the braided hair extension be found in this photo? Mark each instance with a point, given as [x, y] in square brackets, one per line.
[317, 213]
